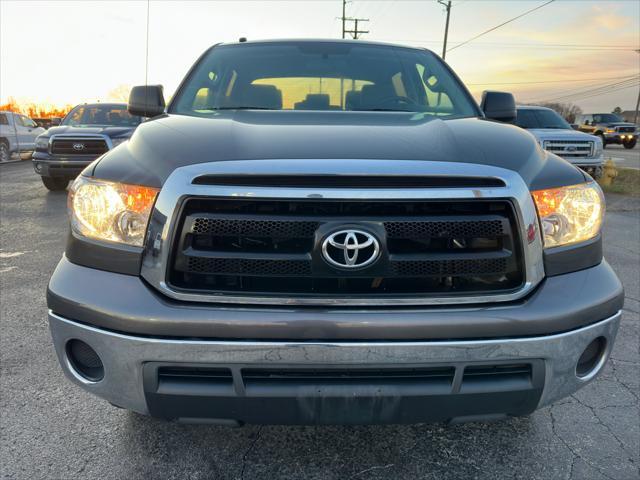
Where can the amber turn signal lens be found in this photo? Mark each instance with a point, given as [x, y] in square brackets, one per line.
[570, 214]
[110, 211]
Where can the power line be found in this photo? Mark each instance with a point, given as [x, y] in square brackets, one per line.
[546, 81]
[599, 94]
[630, 81]
[502, 24]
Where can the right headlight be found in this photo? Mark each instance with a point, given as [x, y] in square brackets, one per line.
[570, 214]
[110, 211]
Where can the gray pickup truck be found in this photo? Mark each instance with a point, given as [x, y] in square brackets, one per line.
[85, 133]
[331, 232]
[17, 135]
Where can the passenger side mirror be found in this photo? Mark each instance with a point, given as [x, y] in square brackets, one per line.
[146, 101]
[499, 106]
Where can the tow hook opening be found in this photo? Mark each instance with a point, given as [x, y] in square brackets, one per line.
[592, 358]
[84, 361]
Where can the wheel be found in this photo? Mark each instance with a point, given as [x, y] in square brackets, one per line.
[55, 184]
[630, 145]
[604, 142]
[5, 156]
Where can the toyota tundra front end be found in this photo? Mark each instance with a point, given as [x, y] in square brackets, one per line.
[331, 232]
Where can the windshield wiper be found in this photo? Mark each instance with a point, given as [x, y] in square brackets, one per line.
[382, 110]
[243, 107]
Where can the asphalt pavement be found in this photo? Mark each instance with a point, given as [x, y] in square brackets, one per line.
[51, 429]
[628, 158]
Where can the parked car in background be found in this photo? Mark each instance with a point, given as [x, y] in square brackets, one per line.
[557, 136]
[17, 134]
[610, 128]
[87, 132]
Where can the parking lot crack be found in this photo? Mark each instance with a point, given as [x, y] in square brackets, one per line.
[606, 427]
[572, 450]
[370, 469]
[249, 450]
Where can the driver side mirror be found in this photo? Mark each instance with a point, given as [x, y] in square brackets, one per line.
[146, 101]
[499, 106]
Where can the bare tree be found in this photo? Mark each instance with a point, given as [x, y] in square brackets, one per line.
[568, 111]
[120, 93]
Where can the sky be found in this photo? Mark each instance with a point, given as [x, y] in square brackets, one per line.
[69, 52]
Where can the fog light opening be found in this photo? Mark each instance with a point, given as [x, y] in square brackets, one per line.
[592, 359]
[84, 361]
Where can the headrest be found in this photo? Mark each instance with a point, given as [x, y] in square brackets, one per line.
[261, 96]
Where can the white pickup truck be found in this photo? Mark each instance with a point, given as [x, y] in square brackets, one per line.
[17, 134]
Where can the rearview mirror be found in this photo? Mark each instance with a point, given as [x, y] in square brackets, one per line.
[499, 106]
[146, 101]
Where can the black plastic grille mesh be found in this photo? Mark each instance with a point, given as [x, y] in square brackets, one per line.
[240, 266]
[421, 268]
[477, 228]
[266, 228]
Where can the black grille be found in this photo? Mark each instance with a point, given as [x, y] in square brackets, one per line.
[273, 247]
[79, 146]
[452, 228]
[267, 228]
[421, 268]
[239, 266]
[626, 129]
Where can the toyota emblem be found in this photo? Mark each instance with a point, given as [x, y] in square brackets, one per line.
[350, 249]
[78, 146]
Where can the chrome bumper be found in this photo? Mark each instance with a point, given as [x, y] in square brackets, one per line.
[124, 356]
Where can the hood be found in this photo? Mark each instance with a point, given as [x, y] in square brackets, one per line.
[110, 131]
[161, 145]
[560, 134]
[620, 124]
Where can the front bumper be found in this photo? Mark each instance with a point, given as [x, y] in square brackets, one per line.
[47, 165]
[620, 138]
[131, 379]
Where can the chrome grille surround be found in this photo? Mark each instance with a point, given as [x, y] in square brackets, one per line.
[571, 149]
[180, 186]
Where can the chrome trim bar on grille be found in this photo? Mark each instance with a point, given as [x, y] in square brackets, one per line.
[180, 186]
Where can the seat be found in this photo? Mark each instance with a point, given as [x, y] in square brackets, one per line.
[260, 96]
[314, 101]
[352, 100]
[373, 95]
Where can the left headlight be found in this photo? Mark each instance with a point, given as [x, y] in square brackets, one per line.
[42, 143]
[570, 214]
[111, 211]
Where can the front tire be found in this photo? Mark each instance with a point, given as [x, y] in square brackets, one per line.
[5, 155]
[629, 145]
[55, 184]
[604, 141]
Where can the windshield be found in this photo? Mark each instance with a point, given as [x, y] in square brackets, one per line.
[539, 118]
[101, 115]
[606, 118]
[321, 76]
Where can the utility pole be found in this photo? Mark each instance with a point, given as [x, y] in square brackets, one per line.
[635, 117]
[355, 33]
[447, 5]
[344, 16]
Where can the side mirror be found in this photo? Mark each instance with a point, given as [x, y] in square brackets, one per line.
[499, 106]
[146, 101]
[575, 126]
